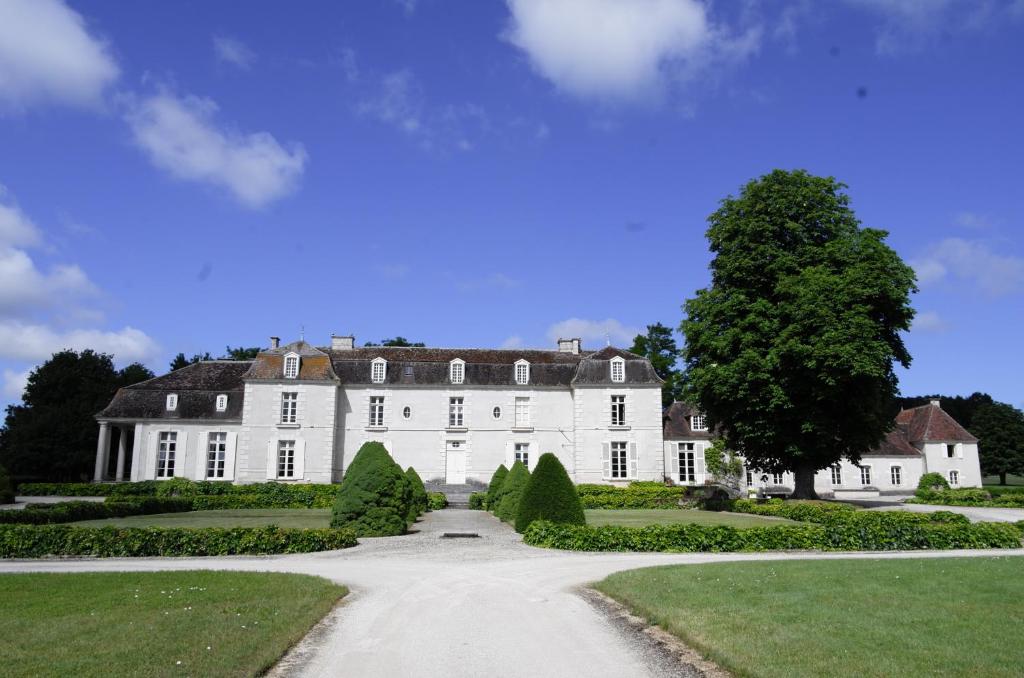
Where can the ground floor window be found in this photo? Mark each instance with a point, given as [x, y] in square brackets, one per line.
[837, 474]
[897, 475]
[286, 459]
[687, 463]
[620, 463]
[777, 479]
[954, 478]
[165, 454]
[523, 454]
[750, 477]
[865, 475]
[216, 454]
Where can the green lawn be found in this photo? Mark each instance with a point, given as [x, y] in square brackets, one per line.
[1010, 480]
[222, 518]
[642, 517]
[156, 623]
[949, 616]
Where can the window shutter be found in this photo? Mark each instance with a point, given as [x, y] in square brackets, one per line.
[959, 450]
[201, 454]
[509, 453]
[229, 456]
[673, 461]
[632, 460]
[149, 463]
[300, 459]
[180, 468]
[699, 468]
[606, 459]
[271, 459]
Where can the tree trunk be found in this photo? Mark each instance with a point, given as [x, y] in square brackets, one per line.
[803, 483]
[1002, 477]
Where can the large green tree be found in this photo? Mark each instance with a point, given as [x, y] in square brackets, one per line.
[180, 360]
[791, 350]
[999, 428]
[52, 434]
[395, 341]
[242, 353]
[659, 346]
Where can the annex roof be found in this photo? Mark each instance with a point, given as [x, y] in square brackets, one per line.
[197, 387]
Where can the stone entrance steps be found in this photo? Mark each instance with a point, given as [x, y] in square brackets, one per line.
[457, 495]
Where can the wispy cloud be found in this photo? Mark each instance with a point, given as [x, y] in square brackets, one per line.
[929, 321]
[36, 342]
[515, 341]
[972, 262]
[911, 25]
[594, 332]
[233, 51]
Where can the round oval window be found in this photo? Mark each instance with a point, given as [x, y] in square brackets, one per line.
[407, 412]
[497, 413]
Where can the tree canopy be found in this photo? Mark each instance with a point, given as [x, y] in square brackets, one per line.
[791, 350]
[999, 428]
[659, 346]
[51, 435]
[396, 341]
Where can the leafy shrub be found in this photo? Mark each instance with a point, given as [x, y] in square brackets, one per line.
[436, 501]
[71, 511]
[6, 488]
[931, 482]
[804, 511]
[549, 495]
[36, 541]
[374, 498]
[637, 495]
[418, 504]
[478, 501]
[512, 491]
[721, 538]
[497, 479]
[968, 497]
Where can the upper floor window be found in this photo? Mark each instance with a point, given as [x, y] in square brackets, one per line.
[291, 366]
[618, 367]
[222, 402]
[950, 451]
[378, 370]
[522, 412]
[496, 412]
[522, 372]
[289, 407]
[172, 401]
[376, 410]
[455, 412]
[406, 411]
[407, 370]
[698, 422]
[457, 371]
[618, 410]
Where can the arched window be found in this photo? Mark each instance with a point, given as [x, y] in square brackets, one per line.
[522, 372]
[618, 367]
[378, 370]
[222, 402]
[457, 371]
[172, 401]
[291, 366]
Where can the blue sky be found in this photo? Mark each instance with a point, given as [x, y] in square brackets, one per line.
[182, 176]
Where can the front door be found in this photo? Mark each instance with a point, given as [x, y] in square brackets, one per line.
[455, 462]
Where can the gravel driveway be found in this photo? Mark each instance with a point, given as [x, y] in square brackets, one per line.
[422, 605]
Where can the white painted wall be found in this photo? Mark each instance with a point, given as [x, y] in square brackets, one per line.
[592, 418]
[965, 460]
[190, 455]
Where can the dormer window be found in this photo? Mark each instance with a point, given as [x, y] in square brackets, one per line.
[378, 370]
[698, 422]
[457, 371]
[291, 366]
[222, 402]
[618, 368]
[172, 402]
[522, 372]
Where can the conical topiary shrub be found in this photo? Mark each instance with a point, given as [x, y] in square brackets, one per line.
[374, 496]
[512, 491]
[418, 505]
[496, 480]
[549, 495]
[6, 487]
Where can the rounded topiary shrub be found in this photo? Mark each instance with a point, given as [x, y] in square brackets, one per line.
[549, 495]
[375, 495]
[932, 482]
[496, 480]
[6, 487]
[512, 491]
[418, 503]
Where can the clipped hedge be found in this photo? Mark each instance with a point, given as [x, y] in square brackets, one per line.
[35, 541]
[297, 495]
[968, 497]
[723, 538]
[375, 496]
[636, 495]
[436, 501]
[496, 480]
[478, 501]
[72, 511]
[549, 495]
[804, 511]
[418, 504]
[511, 492]
[932, 482]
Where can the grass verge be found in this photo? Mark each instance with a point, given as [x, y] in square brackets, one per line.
[913, 617]
[156, 623]
[644, 517]
[299, 518]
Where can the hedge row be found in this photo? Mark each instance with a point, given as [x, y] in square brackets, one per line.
[478, 501]
[436, 501]
[844, 515]
[303, 495]
[35, 541]
[71, 511]
[638, 495]
[968, 497]
[722, 538]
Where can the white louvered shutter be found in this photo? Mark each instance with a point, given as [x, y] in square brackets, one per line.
[959, 450]
[229, 456]
[271, 459]
[673, 461]
[300, 459]
[180, 465]
[632, 461]
[700, 468]
[201, 454]
[606, 459]
[149, 463]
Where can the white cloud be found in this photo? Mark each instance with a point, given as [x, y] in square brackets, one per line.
[16, 229]
[909, 25]
[35, 342]
[398, 102]
[593, 332]
[23, 287]
[349, 64]
[972, 262]
[515, 341]
[14, 383]
[973, 220]
[929, 321]
[180, 136]
[621, 49]
[233, 51]
[48, 55]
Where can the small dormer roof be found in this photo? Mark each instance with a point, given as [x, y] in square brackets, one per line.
[314, 364]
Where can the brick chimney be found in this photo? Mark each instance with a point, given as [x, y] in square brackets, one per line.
[569, 346]
[346, 343]
[275, 342]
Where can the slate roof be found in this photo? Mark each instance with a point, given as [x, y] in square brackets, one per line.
[931, 424]
[197, 387]
[895, 444]
[314, 363]
[676, 419]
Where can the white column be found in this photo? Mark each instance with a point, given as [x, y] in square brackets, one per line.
[102, 447]
[122, 446]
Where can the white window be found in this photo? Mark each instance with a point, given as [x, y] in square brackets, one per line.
[896, 475]
[523, 453]
[522, 412]
[620, 463]
[750, 478]
[165, 454]
[291, 366]
[286, 459]
[496, 412]
[777, 479]
[407, 370]
[618, 367]
[698, 422]
[687, 463]
[457, 371]
[837, 474]
[865, 475]
[172, 401]
[222, 402]
[522, 372]
[289, 407]
[376, 411]
[950, 451]
[216, 454]
[954, 478]
[455, 411]
[378, 370]
[618, 410]
[406, 412]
